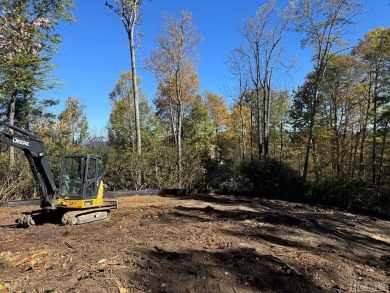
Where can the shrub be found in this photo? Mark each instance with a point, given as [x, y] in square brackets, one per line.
[16, 182]
[272, 179]
[353, 194]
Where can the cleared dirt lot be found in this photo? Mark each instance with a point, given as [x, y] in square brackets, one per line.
[199, 244]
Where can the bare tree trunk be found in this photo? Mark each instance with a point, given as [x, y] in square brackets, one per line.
[380, 175]
[129, 13]
[258, 100]
[344, 140]
[172, 121]
[179, 146]
[362, 168]
[242, 132]
[258, 125]
[266, 108]
[135, 91]
[314, 158]
[374, 126]
[135, 98]
[362, 171]
[336, 138]
[11, 121]
[353, 152]
[281, 141]
[310, 135]
[251, 136]
[355, 155]
[351, 169]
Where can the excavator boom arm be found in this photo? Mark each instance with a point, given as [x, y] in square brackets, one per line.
[37, 158]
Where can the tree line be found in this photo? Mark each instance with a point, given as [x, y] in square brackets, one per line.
[326, 140]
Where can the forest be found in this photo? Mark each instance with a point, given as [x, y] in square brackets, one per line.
[326, 141]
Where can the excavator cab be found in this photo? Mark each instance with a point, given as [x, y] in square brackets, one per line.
[80, 176]
[81, 190]
[81, 184]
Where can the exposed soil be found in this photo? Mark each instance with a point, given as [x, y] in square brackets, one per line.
[199, 244]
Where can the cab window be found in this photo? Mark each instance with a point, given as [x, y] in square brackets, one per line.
[92, 168]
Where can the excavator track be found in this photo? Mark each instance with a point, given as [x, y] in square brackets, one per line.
[90, 215]
[85, 216]
[66, 217]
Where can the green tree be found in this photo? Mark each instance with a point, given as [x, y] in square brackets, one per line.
[197, 126]
[279, 122]
[27, 43]
[262, 51]
[340, 103]
[121, 128]
[129, 13]
[122, 138]
[240, 124]
[374, 51]
[323, 25]
[173, 65]
[238, 69]
[123, 122]
[73, 125]
[219, 112]
[384, 125]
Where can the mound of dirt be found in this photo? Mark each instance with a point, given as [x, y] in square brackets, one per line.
[199, 244]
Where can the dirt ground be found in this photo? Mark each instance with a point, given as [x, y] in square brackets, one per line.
[199, 244]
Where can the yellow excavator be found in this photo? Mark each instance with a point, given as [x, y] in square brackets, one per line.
[76, 198]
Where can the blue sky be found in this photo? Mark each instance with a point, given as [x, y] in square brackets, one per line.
[95, 48]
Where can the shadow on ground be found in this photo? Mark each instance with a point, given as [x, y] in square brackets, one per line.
[346, 230]
[242, 270]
